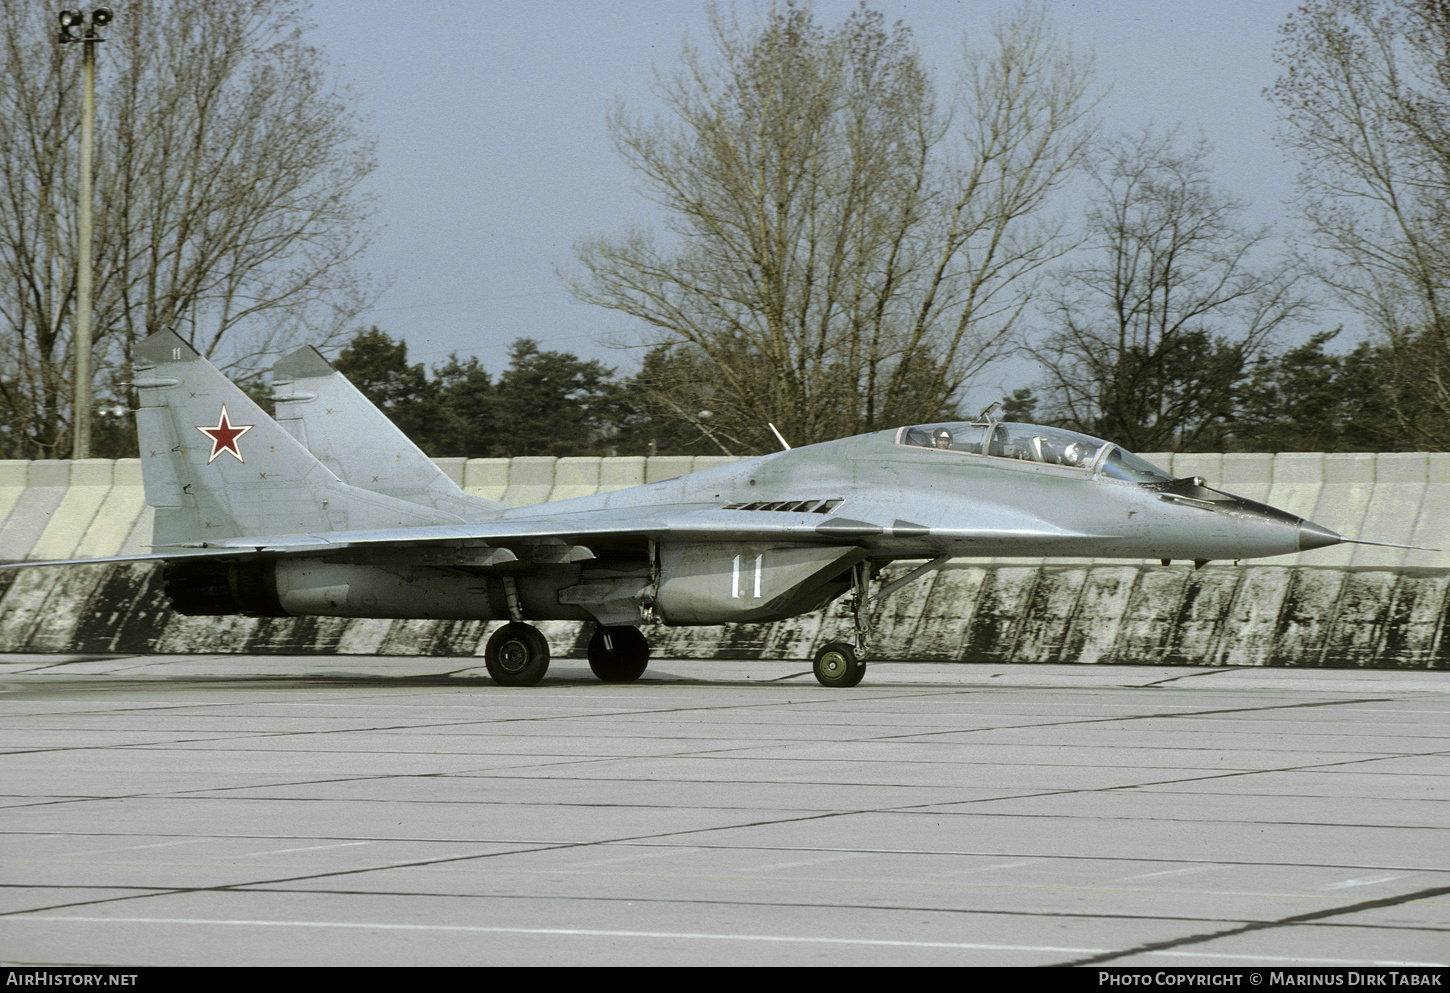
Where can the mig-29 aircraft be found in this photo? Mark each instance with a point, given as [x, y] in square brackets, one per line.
[329, 510]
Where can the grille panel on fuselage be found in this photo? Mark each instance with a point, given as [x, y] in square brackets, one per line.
[790, 506]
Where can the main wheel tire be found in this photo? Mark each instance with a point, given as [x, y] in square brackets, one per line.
[623, 659]
[516, 655]
[836, 665]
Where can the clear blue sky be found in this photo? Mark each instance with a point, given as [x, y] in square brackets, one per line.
[494, 158]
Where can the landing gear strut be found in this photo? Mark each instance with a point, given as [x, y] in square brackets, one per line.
[840, 664]
[618, 654]
[516, 655]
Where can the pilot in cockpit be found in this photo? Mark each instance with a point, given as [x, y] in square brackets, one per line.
[1078, 454]
[941, 438]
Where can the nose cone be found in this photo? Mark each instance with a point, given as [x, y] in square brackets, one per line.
[1311, 535]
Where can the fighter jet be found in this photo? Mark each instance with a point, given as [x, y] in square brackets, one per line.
[329, 510]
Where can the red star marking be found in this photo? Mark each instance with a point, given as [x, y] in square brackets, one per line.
[224, 436]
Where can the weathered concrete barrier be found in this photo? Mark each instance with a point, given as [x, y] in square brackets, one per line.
[1220, 615]
[1343, 606]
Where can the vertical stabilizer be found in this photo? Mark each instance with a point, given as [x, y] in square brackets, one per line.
[355, 440]
[216, 466]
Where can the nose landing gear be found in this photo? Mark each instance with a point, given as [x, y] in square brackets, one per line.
[837, 665]
[840, 664]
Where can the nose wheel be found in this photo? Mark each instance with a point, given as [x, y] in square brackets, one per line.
[838, 665]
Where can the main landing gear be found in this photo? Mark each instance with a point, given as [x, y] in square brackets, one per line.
[618, 654]
[518, 655]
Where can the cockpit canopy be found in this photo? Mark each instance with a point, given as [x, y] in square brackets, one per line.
[1034, 443]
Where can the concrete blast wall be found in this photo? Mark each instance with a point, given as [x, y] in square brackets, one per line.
[1343, 606]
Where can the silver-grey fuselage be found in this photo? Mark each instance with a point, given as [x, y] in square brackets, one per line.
[901, 501]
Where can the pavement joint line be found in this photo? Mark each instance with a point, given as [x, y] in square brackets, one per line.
[561, 932]
[441, 860]
[1307, 918]
[1098, 954]
[662, 840]
[635, 899]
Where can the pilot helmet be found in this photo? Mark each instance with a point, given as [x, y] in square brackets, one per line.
[1077, 454]
[941, 438]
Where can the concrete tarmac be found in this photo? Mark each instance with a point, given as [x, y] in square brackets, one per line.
[189, 810]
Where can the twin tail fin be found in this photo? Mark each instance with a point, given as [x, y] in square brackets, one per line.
[216, 466]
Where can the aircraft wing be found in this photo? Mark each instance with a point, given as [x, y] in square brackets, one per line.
[606, 526]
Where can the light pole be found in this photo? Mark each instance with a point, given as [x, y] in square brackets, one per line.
[74, 27]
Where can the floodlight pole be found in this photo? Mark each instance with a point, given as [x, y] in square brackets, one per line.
[81, 449]
[71, 20]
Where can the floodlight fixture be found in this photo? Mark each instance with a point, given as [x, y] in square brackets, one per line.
[73, 24]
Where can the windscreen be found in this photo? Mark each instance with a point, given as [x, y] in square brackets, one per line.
[1121, 464]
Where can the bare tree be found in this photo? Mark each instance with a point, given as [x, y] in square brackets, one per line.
[1154, 334]
[227, 203]
[1364, 97]
[844, 257]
